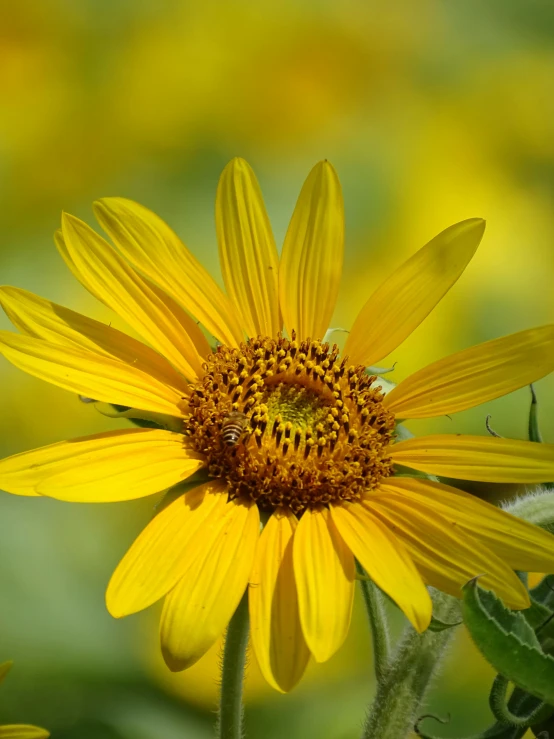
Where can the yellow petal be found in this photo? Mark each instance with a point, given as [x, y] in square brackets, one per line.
[481, 458]
[148, 243]
[401, 303]
[41, 319]
[67, 257]
[518, 543]
[111, 279]
[386, 561]
[158, 558]
[275, 628]
[199, 608]
[247, 250]
[447, 557]
[475, 375]
[311, 262]
[324, 573]
[107, 467]
[5, 667]
[92, 375]
[23, 731]
[180, 317]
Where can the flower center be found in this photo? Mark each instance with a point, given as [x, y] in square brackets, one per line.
[287, 423]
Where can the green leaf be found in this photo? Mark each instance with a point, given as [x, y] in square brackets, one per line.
[543, 593]
[537, 615]
[508, 642]
[541, 613]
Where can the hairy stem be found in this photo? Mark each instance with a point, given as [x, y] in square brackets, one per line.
[397, 703]
[232, 674]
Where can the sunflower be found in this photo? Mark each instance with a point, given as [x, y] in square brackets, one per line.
[19, 731]
[286, 430]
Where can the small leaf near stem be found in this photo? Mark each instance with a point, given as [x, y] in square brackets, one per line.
[380, 637]
[230, 718]
[508, 642]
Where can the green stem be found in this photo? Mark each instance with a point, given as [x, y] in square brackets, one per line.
[397, 702]
[229, 724]
[380, 637]
[500, 707]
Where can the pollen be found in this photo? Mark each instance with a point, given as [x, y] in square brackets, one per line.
[309, 429]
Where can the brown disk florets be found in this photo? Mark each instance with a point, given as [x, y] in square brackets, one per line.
[285, 422]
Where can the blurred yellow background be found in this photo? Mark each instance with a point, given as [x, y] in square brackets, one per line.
[431, 112]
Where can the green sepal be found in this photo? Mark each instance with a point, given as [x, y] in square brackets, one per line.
[438, 625]
[144, 419]
[331, 331]
[379, 370]
[386, 385]
[536, 507]
[401, 471]
[508, 642]
[402, 433]
[534, 431]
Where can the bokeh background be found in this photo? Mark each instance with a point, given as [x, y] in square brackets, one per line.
[431, 112]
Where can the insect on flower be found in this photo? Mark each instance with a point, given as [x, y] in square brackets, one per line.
[233, 427]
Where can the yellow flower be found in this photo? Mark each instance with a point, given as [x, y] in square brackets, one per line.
[287, 429]
[19, 731]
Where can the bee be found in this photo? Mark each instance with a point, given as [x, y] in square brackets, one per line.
[233, 427]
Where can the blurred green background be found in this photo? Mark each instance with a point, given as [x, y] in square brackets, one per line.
[431, 112]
